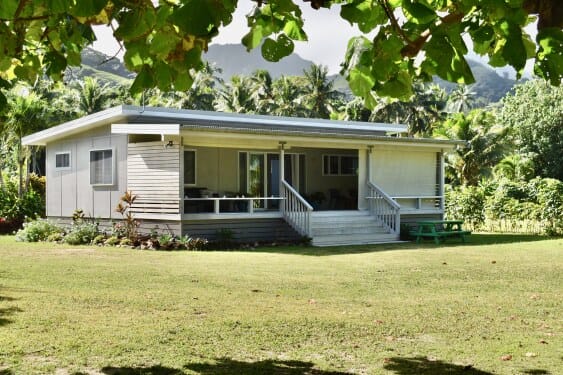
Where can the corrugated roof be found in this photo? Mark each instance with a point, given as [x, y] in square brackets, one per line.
[227, 122]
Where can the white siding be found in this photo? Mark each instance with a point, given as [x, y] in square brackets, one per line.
[404, 172]
[153, 174]
[69, 190]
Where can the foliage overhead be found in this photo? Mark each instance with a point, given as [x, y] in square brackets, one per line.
[164, 40]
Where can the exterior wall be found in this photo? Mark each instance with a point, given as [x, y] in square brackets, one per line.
[172, 227]
[68, 190]
[316, 182]
[153, 174]
[244, 230]
[217, 170]
[404, 172]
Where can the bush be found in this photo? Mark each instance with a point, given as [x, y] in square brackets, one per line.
[39, 230]
[466, 203]
[30, 205]
[81, 234]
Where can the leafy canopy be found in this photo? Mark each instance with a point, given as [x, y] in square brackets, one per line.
[164, 39]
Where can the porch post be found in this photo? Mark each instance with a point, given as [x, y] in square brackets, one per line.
[442, 181]
[363, 177]
[282, 161]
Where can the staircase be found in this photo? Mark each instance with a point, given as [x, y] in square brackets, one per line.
[331, 228]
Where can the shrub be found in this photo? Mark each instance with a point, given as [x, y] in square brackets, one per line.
[99, 239]
[81, 234]
[112, 241]
[197, 244]
[38, 230]
[467, 203]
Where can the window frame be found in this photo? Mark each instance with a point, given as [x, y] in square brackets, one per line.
[327, 172]
[113, 165]
[69, 161]
[184, 167]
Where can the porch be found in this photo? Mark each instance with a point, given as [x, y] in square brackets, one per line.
[324, 192]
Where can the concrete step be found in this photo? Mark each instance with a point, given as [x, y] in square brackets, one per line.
[366, 228]
[357, 239]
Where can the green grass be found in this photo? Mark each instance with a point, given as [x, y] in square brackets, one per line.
[396, 309]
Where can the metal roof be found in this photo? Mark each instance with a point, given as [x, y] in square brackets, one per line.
[228, 122]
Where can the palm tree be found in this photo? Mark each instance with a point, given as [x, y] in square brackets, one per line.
[203, 92]
[25, 115]
[287, 94]
[94, 96]
[236, 96]
[319, 94]
[262, 91]
[421, 113]
[485, 145]
[462, 99]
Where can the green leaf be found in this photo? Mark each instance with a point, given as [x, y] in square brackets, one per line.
[549, 59]
[183, 82]
[201, 17]
[444, 60]
[144, 80]
[482, 39]
[254, 37]
[163, 75]
[400, 86]
[8, 8]
[418, 12]
[366, 13]
[361, 81]
[514, 51]
[56, 64]
[162, 43]
[88, 8]
[294, 31]
[135, 23]
[59, 6]
[275, 50]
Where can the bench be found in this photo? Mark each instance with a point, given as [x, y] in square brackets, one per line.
[439, 230]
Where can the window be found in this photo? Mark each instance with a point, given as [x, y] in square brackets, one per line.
[340, 165]
[62, 160]
[101, 167]
[189, 167]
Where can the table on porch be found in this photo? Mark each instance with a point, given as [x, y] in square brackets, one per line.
[438, 229]
[217, 201]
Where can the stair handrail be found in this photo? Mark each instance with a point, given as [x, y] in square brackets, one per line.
[295, 209]
[384, 208]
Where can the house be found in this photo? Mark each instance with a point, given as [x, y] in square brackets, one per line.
[257, 177]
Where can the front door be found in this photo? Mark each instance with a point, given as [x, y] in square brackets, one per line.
[260, 175]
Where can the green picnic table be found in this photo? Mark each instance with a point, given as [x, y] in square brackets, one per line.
[439, 229]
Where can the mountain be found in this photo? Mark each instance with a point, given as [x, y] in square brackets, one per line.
[234, 59]
[489, 86]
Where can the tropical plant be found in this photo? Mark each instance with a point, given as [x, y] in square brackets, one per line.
[461, 99]
[534, 115]
[130, 224]
[236, 96]
[38, 230]
[485, 145]
[318, 94]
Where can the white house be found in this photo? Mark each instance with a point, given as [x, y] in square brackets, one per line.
[262, 177]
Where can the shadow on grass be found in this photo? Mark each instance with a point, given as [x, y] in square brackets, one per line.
[421, 365]
[474, 240]
[226, 366]
[6, 372]
[8, 311]
[152, 370]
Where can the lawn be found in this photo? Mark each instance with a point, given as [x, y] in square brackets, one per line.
[492, 306]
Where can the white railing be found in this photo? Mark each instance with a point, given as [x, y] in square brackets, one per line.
[295, 209]
[384, 208]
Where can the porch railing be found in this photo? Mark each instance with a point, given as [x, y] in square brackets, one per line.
[295, 209]
[384, 208]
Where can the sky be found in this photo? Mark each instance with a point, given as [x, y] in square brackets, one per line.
[328, 36]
